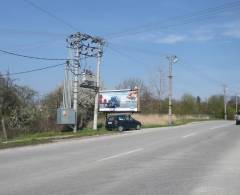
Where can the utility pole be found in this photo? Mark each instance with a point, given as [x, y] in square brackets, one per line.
[95, 117]
[74, 42]
[172, 60]
[75, 87]
[84, 45]
[225, 101]
[160, 88]
[236, 103]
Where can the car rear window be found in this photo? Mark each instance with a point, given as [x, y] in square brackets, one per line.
[110, 118]
[122, 118]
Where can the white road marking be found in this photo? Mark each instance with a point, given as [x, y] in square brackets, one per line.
[218, 127]
[121, 154]
[189, 135]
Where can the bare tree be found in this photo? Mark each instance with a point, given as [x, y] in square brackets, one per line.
[157, 81]
[131, 83]
[146, 97]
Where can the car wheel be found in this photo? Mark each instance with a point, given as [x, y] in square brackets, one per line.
[138, 127]
[120, 128]
[237, 122]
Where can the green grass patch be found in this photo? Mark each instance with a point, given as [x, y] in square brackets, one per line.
[23, 142]
[47, 137]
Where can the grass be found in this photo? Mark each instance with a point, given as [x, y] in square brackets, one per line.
[48, 137]
[23, 142]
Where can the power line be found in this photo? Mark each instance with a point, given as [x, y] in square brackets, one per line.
[126, 55]
[182, 20]
[198, 71]
[184, 17]
[183, 62]
[35, 70]
[51, 14]
[188, 66]
[25, 32]
[201, 73]
[32, 57]
[158, 52]
[189, 69]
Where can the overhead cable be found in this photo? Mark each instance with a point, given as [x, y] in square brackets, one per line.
[34, 5]
[32, 57]
[35, 70]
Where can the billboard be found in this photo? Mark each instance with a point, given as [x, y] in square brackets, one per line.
[119, 101]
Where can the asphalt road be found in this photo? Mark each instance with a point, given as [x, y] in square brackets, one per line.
[198, 158]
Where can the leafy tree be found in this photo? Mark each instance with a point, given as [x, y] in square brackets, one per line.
[215, 106]
[17, 108]
[8, 100]
[188, 104]
[231, 107]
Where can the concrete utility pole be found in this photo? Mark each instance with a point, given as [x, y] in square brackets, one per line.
[75, 86]
[74, 42]
[236, 103]
[225, 101]
[160, 87]
[95, 117]
[172, 60]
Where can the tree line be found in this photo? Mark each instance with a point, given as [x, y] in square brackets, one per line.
[23, 111]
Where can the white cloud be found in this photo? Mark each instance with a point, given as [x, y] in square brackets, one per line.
[227, 29]
[209, 32]
[203, 33]
[204, 37]
[171, 39]
[233, 33]
[232, 30]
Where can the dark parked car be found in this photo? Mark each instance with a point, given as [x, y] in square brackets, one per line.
[237, 117]
[122, 122]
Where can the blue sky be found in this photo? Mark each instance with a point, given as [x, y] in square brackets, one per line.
[207, 46]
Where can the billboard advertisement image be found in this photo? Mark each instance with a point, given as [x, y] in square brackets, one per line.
[119, 101]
